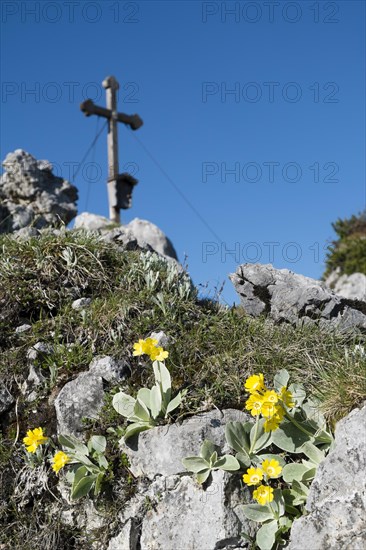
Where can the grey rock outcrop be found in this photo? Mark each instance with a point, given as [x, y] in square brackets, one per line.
[148, 233]
[285, 296]
[336, 501]
[182, 514]
[171, 443]
[138, 234]
[84, 396]
[31, 195]
[349, 286]
[6, 399]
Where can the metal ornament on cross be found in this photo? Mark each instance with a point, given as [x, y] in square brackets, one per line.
[120, 186]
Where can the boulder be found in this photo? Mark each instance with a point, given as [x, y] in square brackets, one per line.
[336, 501]
[83, 397]
[285, 296]
[170, 509]
[86, 220]
[148, 233]
[138, 234]
[31, 194]
[169, 444]
[349, 286]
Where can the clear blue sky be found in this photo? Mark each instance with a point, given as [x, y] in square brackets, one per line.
[275, 161]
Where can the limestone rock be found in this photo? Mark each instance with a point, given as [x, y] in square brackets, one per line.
[84, 396]
[189, 517]
[138, 234]
[336, 501]
[285, 296]
[147, 232]
[349, 286]
[81, 303]
[86, 220]
[6, 399]
[31, 195]
[169, 444]
[171, 510]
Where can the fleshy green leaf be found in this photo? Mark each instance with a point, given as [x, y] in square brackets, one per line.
[102, 461]
[266, 535]
[281, 379]
[228, 463]
[144, 395]
[312, 452]
[195, 464]
[243, 459]
[155, 401]
[308, 476]
[264, 439]
[141, 411]
[136, 428]
[124, 404]
[278, 503]
[71, 442]
[174, 403]
[293, 471]
[289, 438]
[79, 474]
[207, 449]
[298, 393]
[237, 436]
[213, 459]
[98, 483]
[98, 443]
[202, 476]
[83, 487]
[257, 512]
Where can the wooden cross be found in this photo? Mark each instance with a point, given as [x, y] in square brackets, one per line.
[119, 185]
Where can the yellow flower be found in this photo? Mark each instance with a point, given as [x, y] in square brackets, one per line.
[286, 397]
[158, 354]
[149, 347]
[253, 476]
[274, 415]
[255, 383]
[268, 409]
[59, 461]
[254, 404]
[270, 396]
[271, 424]
[271, 468]
[144, 347]
[263, 494]
[34, 439]
[139, 348]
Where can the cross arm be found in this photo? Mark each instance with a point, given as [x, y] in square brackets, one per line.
[89, 108]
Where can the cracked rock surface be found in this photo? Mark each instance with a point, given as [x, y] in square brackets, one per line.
[285, 296]
[172, 511]
[30, 194]
[337, 497]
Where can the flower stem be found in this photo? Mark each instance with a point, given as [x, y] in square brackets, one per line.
[255, 435]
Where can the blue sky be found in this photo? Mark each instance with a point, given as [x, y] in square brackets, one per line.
[253, 111]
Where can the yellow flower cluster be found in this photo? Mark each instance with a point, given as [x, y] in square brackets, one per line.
[34, 439]
[59, 461]
[149, 347]
[269, 469]
[267, 402]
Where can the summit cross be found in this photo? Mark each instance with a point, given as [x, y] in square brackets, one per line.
[119, 185]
